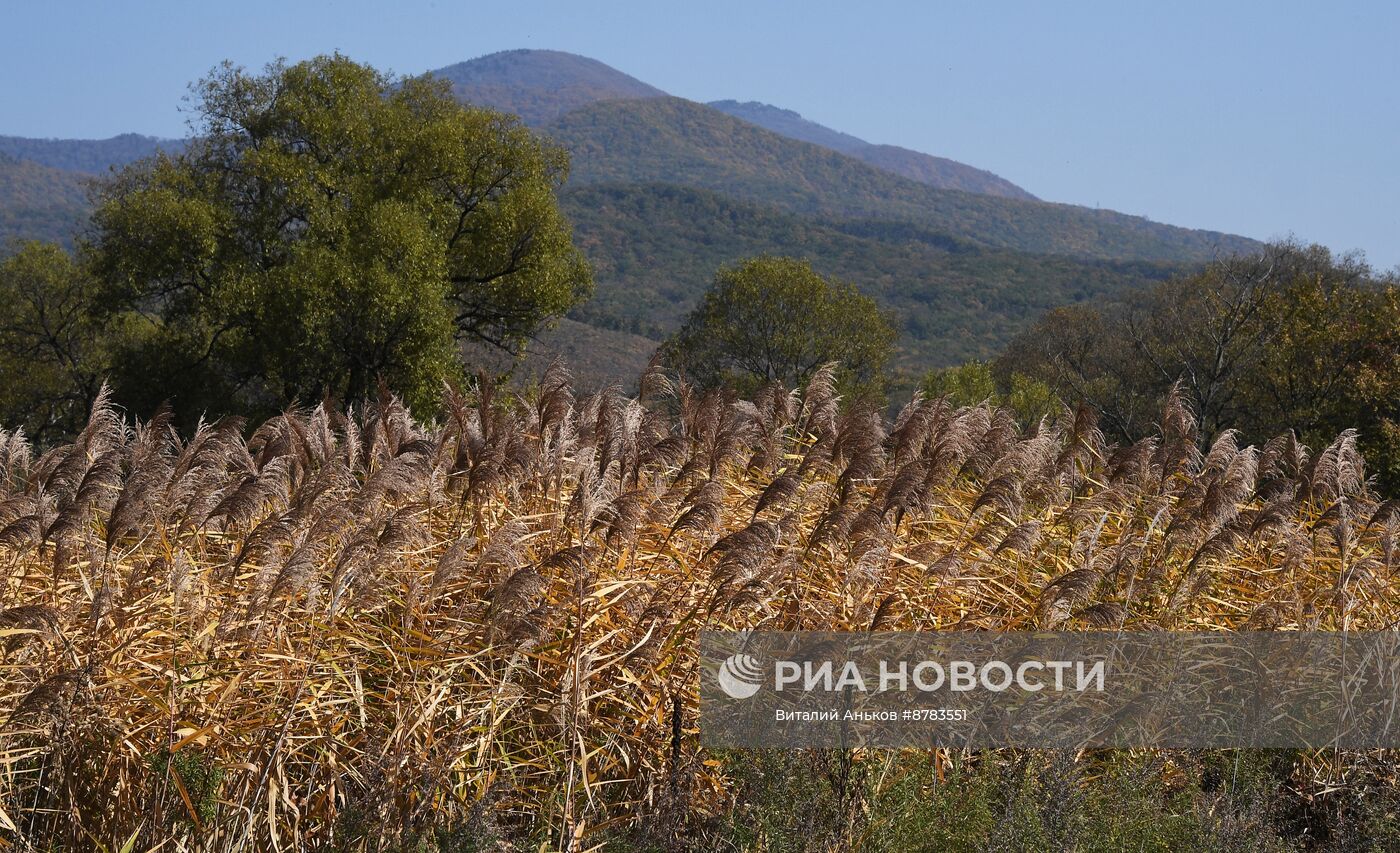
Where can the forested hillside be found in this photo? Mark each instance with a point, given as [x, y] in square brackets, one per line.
[542, 85]
[39, 202]
[915, 165]
[681, 142]
[93, 156]
[655, 247]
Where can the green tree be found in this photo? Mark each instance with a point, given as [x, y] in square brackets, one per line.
[773, 319]
[329, 226]
[53, 351]
[1292, 337]
[963, 385]
[974, 382]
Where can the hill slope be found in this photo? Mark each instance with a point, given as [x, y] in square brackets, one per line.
[39, 203]
[93, 156]
[655, 249]
[540, 85]
[676, 141]
[924, 168]
[790, 124]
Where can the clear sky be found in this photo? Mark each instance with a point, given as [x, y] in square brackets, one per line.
[1264, 119]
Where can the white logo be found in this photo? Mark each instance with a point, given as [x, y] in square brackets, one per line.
[740, 676]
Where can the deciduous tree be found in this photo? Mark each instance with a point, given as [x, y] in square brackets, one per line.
[329, 226]
[773, 319]
[1292, 337]
[53, 351]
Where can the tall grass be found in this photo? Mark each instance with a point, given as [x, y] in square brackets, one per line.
[369, 632]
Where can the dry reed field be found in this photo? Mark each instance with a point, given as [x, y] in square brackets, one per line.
[345, 631]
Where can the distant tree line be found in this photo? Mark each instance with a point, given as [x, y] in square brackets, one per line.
[1293, 337]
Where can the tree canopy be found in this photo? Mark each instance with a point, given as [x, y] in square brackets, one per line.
[1292, 337]
[53, 351]
[974, 383]
[328, 227]
[774, 319]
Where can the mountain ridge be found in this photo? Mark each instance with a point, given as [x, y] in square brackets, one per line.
[89, 156]
[39, 202]
[790, 123]
[673, 140]
[540, 85]
[925, 168]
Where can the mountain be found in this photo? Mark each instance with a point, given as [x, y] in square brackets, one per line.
[655, 248]
[540, 85]
[671, 140]
[39, 203]
[93, 156]
[924, 168]
[790, 124]
[664, 191]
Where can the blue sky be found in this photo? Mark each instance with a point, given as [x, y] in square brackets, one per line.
[1259, 118]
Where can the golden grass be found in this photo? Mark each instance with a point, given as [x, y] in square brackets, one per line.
[355, 630]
